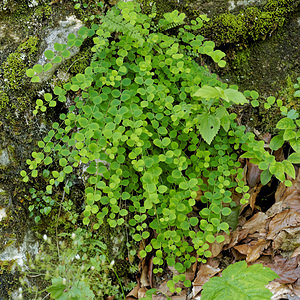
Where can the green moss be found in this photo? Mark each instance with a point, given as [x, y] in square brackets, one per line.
[78, 64]
[43, 11]
[14, 68]
[251, 24]
[241, 59]
[287, 93]
[4, 100]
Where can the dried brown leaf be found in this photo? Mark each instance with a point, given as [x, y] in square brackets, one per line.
[144, 274]
[279, 155]
[256, 249]
[287, 239]
[142, 292]
[134, 293]
[253, 174]
[287, 269]
[279, 291]
[253, 195]
[243, 249]
[284, 220]
[234, 238]
[205, 272]
[256, 224]
[296, 253]
[216, 248]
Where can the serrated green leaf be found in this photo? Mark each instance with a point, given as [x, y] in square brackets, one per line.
[295, 144]
[235, 96]
[207, 92]
[276, 142]
[297, 93]
[209, 126]
[289, 168]
[223, 115]
[286, 123]
[294, 158]
[240, 282]
[289, 134]
[292, 114]
[265, 177]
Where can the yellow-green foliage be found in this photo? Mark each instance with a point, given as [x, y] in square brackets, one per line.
[251, 24]
[3, 100]
[43, 11]
[15, 66]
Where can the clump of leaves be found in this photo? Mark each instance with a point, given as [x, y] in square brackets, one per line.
[149, 127]
[240, 282]
[77, 267]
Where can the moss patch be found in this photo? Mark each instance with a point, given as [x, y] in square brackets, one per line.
[251, 24]
[4, 100]
[14, 68]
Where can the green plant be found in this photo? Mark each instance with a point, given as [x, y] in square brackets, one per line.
[147, 138]
[297, 87]
[75, 268]
[239, 282]
[287, 132]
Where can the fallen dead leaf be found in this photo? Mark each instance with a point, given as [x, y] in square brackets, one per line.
[296, 253]
[287, 239]
[284, 220]
[256, 249]
[287, 269]
[134, 293]
[253, 174]
[256, 224]
[280, 291]
[279, 155]
[234, 238]
[253, 250]
[190, 273]
[243, 249]
[253, 195]
[296, 287]
[284, 192]
[142, 292]
[144, 274]
[216, 248]
[237, 255]
[205, 272]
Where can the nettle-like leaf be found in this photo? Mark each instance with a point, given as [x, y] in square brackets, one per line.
[234, 96]
[207, 92]
[209, 126]
[223, 115]
[239, 282]
[294, 158]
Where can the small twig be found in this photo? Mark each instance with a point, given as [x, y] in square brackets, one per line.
[46, 296]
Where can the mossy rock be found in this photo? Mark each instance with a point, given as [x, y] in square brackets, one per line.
[14, 68]
[251, 24]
